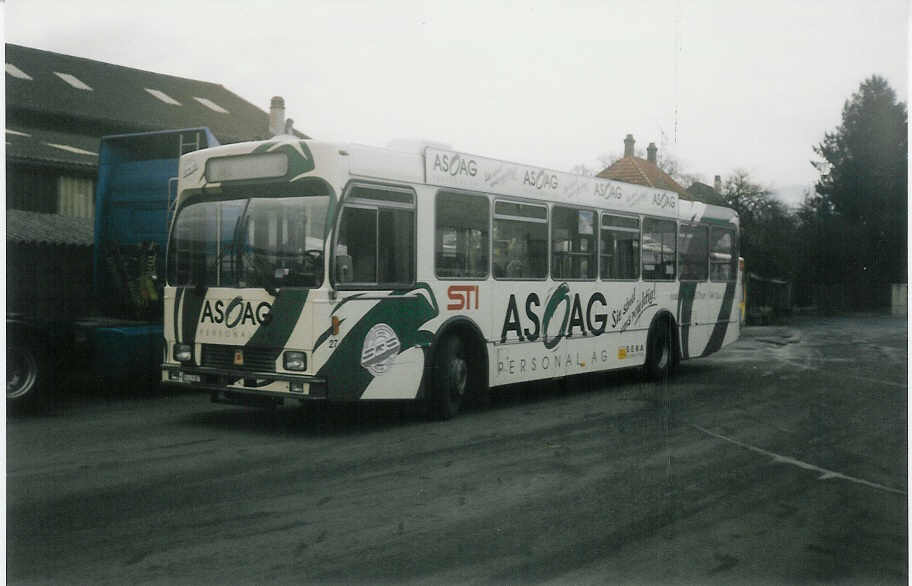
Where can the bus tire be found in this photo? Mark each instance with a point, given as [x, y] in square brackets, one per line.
[27, 376]
[451, 377]
[660, 358]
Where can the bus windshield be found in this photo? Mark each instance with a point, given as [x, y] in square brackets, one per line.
[249, 242]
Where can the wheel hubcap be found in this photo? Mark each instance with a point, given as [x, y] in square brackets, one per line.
[459, 372]
[663, 356]
[21, 373]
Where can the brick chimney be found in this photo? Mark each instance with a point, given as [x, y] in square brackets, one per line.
[717, 184]
[651, 153]
[276, 116]
[628, 145]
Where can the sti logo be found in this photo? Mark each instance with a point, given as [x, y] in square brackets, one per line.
[461, 296]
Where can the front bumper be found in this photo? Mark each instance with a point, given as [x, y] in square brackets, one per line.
[245, 382]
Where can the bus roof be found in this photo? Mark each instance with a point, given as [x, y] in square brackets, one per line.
[456, 170]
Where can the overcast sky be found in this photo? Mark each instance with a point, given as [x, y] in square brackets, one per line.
[719, 85]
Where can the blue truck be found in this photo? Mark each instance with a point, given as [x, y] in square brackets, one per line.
[121, 339]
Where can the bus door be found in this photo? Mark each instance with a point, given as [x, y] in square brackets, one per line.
[379, 305]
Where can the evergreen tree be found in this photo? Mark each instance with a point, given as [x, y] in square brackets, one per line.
[862, 190]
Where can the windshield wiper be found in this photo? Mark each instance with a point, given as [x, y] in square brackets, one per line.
[261, 272]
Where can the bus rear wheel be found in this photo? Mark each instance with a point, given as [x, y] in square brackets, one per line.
[659, 354]
[451, 377]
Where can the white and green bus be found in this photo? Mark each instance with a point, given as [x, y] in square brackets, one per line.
[300, 269]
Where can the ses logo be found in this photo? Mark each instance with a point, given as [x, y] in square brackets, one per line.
[237, 313]
[381, 346]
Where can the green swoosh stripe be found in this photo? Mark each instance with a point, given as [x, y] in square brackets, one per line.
[721, 327]
[286, 309]
[685, 314]
[347, 378]
[190, 313]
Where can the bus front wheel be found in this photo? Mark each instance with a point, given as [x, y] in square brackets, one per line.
[451, 377]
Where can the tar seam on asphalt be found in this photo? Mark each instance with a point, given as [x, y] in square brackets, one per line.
[824, 473]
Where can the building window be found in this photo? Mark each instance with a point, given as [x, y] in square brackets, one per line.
[461, 236]
[620, 247]
[73, 81]
[16, 72]
[163, 97]
[573, 250]
[211, 105]
[520, 241]
[75, 197]
[71, 149]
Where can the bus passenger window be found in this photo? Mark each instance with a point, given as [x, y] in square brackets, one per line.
[722, 255]
[693, 249]
[461, 236]
[620, 247]
[520, 241]
[573, 244]
[658, 250]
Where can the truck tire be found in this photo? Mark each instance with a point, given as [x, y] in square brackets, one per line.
[27, 375]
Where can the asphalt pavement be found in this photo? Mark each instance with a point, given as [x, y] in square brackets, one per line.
[782, 459]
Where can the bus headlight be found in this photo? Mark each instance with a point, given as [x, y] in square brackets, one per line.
[295, 361]
[183, 352]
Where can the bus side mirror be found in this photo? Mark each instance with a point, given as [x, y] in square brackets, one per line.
[343, 268]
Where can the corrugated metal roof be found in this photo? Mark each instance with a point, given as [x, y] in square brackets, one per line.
[37, 144]
[35, 228]
[118, 97]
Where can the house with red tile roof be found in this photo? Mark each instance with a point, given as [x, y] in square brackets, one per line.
[633, 169]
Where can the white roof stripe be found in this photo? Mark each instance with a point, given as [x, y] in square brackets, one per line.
[211, 105]
[73, 81]
[16, 72]
[163, 97]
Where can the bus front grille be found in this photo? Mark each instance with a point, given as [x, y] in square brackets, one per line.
[254, 359]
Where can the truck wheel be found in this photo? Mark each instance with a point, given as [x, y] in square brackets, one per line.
[451, 377]
[659, 357]
[25, 376]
